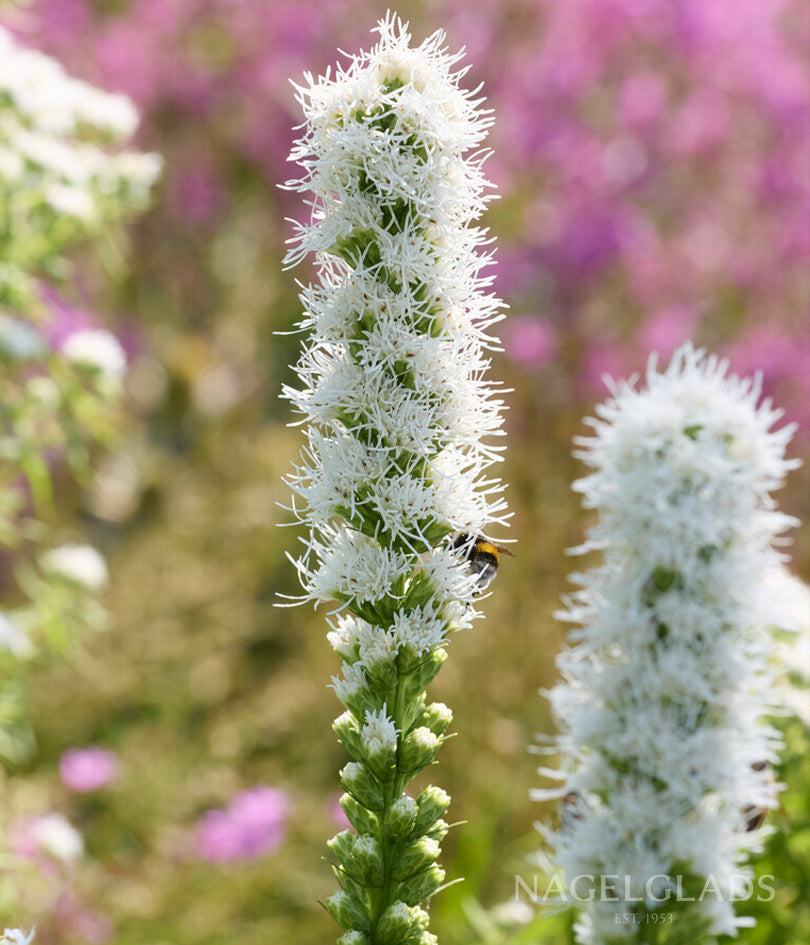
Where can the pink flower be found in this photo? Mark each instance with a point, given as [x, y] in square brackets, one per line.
[529, 342]
[668, 328]
[335, 811]
[252, 825]
[88, 769]
[66, 320]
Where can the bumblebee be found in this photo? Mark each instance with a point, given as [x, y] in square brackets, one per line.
[481, 555]
[753, 813]
[572, 809]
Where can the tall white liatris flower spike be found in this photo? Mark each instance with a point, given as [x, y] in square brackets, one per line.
[665, 778]
[393, 475]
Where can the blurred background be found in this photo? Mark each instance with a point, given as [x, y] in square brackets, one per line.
[653, 164]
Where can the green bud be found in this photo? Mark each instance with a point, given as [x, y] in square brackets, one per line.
[429, 667]
[382, 676]
[367, 861]
[342, 845]
[347, 911]
[380, 753]
[414, 708]
[361, 819]
[438, 831]
[413, 859]
[437, 717]
[353, 938]
[399, 923]
[419, 749]
[432, 804]
[348, 732]
[358, 781]
[401, 817]
[422, 886]
[426, 938]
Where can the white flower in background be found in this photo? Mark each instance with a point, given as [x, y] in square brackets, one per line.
[81, 564]
[660, 709]
[54, 835]
[13, 638]
[17, 937]
[71, 201]
[398, 421]
[19, 339]
[44, 94]
[97, 348]
[47, 121]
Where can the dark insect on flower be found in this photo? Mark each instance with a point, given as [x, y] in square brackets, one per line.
[481, 555]
[572, 809]
[754, 813]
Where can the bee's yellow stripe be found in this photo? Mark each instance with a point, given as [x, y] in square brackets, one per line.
[484, 547]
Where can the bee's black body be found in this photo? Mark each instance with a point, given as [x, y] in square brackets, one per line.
[481, 556]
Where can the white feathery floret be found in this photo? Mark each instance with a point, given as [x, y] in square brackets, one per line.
[351, 565]
[665, 685]
[423, 629]
[351, 683]
[377, 646]
[379, 734]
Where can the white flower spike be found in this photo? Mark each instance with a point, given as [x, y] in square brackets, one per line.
[665, 754]
[399, 419]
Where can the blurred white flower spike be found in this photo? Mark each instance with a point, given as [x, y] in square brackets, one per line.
[399, 421]
[80, 564]
[44, 148]
[17, 937]
[97, 350]
[665, 752]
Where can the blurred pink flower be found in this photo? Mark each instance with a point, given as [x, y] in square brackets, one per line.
[197, 193]
[668, 328]
[84, 924]
[784, 360]
[643, 98]
[602, 362]
[252, 825]
[335, 811]
[88, 769]
[529, 341]
[66, 320]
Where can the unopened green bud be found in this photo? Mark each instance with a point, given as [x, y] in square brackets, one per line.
[432, 804]
[426, 672]
[348, 732]
[353, 938]
[367, 862]
[426, 938]
[420, 748]
[437, 717]
[438, 831]
[399, 923]
[382, 675]
[342, 845]
[347, 911]
[401, 817]
[361, 819]
[422, 886]
[415, 857]
[358, 781]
